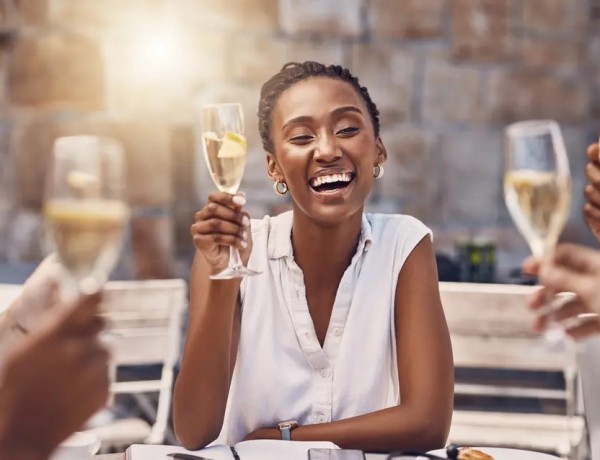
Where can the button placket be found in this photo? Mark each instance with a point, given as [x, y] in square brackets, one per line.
[323, 403]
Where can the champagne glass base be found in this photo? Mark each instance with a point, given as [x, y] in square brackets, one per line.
[238, 271]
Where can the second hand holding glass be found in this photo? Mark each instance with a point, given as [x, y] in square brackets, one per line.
[537, 190]
[225, 151]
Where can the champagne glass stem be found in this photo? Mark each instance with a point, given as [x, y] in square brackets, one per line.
[554, 333]
[235, 260]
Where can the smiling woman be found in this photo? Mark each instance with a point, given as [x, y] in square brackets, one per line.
[342, 337]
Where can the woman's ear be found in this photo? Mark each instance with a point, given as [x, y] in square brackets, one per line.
[273, 168]
[381, 151]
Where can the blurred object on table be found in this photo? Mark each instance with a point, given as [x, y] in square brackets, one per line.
[476, 261]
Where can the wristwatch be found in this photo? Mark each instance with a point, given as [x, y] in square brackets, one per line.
[286, 429]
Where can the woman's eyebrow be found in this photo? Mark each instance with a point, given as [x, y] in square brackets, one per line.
[300, 119]
[346, 109]
[336, 112]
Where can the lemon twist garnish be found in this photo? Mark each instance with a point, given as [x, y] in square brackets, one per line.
[234, 145]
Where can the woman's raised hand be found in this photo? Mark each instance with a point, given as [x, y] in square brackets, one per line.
[220, 224]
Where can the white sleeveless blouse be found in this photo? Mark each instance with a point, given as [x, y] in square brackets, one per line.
[281, 372]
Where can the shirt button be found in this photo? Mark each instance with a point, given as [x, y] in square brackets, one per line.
[321, 418]
[346, 288]
[337, 331]
[324, 373]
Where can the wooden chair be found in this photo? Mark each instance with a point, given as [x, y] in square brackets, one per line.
[490, 330]
[589, 364]
[145, 320]
[8, 293]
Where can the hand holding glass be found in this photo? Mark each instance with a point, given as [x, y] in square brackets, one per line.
[225, 152]
[85, 209]
[537, 189]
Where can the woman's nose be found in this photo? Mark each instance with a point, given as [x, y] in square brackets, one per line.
[327, 149]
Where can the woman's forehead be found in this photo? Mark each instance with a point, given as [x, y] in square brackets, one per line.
[314, 95]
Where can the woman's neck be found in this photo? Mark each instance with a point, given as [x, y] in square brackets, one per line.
[320, 248]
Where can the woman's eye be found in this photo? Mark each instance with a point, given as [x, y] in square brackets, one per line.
[302, 138]
[348, 131]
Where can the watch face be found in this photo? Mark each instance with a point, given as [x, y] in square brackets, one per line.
[290, 424]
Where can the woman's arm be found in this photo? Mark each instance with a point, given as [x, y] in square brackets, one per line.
[208, 359]
[425, 368]
[210, 349]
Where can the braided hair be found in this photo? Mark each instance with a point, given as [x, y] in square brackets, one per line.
[293, 72]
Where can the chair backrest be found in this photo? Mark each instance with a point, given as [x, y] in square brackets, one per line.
[8, 293]
[490, 328]
[589, 363]
[145, 319]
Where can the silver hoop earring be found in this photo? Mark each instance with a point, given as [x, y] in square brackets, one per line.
[280, 187]
[378, 171]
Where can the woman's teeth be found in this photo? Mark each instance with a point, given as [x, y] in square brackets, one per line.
[331, 178]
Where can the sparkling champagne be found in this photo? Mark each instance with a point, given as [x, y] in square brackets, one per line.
[539, 204]
[226, 159]
[87, 234]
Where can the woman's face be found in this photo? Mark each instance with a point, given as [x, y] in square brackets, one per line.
[325, 148]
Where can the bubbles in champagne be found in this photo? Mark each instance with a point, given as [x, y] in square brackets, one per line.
[88, 235]
[539, 204]
[226, 159]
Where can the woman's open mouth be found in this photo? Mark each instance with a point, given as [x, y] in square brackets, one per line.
[331, 183]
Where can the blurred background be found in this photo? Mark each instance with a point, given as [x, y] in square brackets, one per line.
[447, 75]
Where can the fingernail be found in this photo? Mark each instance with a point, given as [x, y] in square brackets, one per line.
[245, 221]
[244, 244]
[244, 235]
[239, 199]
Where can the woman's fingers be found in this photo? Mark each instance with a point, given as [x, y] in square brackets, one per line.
[592, 195]
[592, 171]
[570, 309]
[205, 241]
[218, 226]
[538, 299]
[584, 328]
[220, 211]
[222, 222]
[531, 266]
[593, 153]
[232, 201]
[218, 218]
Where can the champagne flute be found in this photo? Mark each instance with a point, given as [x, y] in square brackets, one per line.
[85, 210]
[225, 152]
[537, 191]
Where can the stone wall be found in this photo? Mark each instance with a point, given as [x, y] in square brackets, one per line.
[447, 76]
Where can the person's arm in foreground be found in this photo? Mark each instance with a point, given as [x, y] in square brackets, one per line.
[426, 374]
[573, 269]
[30, 309]
[203, 383]
[53, 383]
